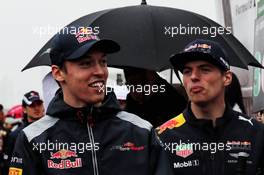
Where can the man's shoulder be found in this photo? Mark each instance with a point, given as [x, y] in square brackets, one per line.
[246, 120]
[134, 120]
[38, 127]
[15, 133]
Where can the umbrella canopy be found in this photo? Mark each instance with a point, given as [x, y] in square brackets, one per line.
[149, 35]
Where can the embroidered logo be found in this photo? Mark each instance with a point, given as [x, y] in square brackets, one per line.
[173, 123]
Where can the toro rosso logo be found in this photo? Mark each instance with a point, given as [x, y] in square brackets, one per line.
[173, 123]
[128, 146]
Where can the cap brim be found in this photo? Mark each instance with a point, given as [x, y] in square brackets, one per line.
[104, 45]
[29, 102]
[179, 60]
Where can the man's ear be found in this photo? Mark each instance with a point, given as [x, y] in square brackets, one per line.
[57, 73]
[227, 78]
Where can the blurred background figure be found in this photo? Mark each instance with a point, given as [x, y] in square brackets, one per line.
[233, 95]
[2, 116]
[8, 122]
[33, 107]
[151, 97]
[32, 110]
[121, 95]
[11, 123]
[2, 136]
[260, 116]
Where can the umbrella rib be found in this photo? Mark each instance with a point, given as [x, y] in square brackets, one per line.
[154, 36]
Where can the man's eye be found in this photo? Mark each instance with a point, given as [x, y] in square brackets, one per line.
[206, 69]
[85, 63]
[103, 61]
[186, 71]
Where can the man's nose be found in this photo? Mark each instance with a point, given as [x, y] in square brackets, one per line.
[195, 75]
[98, 69]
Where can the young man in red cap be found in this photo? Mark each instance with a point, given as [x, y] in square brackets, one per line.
[85, 131]
[209, 137]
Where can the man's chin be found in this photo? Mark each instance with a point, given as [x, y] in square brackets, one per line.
[200, 103]
[96, 101]
[34, 118]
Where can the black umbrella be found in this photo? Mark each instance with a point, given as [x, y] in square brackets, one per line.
[148, 35]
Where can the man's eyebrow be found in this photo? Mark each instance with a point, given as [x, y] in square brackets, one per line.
[200, 66]
[88, 55]
[206, 66]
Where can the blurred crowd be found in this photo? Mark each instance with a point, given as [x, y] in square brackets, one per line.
[16, 119]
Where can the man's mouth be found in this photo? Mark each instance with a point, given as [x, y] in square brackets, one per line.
[99, 85]
[196, 89]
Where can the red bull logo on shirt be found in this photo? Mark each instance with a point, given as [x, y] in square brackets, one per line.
[65, 164]
[173, 123]
[63, 154]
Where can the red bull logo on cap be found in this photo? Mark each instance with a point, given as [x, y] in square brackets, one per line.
[85, 34]
[63, 154]
[83, 31]
[173, 123]
[202, 46]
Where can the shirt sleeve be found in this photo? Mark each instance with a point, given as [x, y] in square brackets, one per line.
[159, 160]
[24, 160]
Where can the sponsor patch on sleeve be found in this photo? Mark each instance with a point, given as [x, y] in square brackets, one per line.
[15, 171]
[173, 123]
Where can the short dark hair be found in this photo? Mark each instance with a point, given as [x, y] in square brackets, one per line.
[233, 94]
[1, 107]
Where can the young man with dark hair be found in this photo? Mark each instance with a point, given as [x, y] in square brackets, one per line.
[209, 137]
[33, 110]
[85, 131]
[33, 107]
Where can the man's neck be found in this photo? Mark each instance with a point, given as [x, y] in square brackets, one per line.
[31, 119]
[210, 111]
